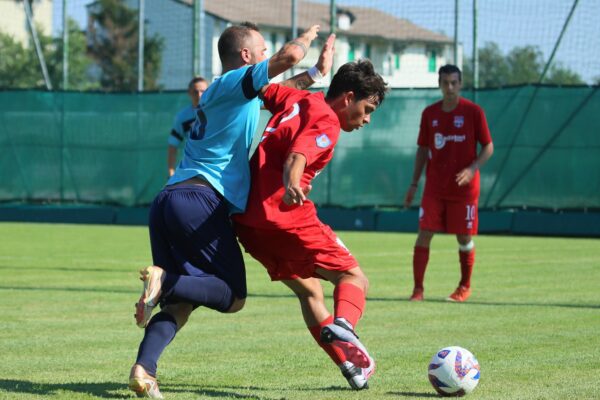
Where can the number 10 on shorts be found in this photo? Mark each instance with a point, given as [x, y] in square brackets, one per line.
[471, 212]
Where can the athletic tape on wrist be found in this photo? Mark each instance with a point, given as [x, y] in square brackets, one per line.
[315, 74]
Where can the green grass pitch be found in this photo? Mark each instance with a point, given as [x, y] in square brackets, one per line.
[67, 296]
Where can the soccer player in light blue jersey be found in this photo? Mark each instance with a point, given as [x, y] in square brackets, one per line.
[184, 121]
[197, 260]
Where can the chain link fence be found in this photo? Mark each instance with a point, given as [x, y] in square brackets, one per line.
[146, 45]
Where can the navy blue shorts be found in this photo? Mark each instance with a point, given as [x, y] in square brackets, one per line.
[191, 234]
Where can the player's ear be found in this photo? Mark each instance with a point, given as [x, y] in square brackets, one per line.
[245, 55]
[348, 98]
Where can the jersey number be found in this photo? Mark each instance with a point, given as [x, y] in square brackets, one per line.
[471, 211]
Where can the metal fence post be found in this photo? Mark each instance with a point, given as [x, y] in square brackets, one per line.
[65, 39]
[294, 26]
[475, 49]
[456, 32]
[36, 42]
[140, 85]
[198, 45]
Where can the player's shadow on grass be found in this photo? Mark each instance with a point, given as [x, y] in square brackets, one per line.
[412, 394]
[486, 303]
[98, 389]
[233, 391]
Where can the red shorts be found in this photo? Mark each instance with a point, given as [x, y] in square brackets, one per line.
[296, 253]
[450, 216]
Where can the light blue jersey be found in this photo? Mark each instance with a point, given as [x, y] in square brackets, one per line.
[182, 126]
[219, 143]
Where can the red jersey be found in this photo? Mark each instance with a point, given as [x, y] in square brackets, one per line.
[452, 139]
[302, 122]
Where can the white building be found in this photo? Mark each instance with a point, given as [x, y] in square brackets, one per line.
[13, 20]
[405, 54]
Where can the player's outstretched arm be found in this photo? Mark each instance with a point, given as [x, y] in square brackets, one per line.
[323, 66]
[292, 52]
[293, 168]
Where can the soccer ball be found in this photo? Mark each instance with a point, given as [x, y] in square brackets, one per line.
[453, 371]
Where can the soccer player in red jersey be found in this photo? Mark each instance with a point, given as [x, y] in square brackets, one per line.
[280, 227]
[448, 138]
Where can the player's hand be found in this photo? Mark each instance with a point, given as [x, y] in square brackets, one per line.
[410, 195]
[296, 195]
[465, 176]
[312, 32]
[325, 61]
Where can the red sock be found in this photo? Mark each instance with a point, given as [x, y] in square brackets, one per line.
[467, 260]
[349, 302]
[334, 352]
[420, 260]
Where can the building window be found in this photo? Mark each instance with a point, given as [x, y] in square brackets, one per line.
[397, 61]
[368, 51]
[432, 61]
[351, 51]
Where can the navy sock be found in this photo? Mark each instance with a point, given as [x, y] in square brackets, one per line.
[207, 290]
[160, 331]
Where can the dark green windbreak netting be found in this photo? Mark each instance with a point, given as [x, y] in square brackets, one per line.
[111, 148]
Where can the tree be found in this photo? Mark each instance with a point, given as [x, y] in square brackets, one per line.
[493, 68]
[560, 75]
[20, 67]
[521, 65]
[114, 45]
[525, 65]
[79, 64]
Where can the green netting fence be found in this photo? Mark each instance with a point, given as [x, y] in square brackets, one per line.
[71, 147]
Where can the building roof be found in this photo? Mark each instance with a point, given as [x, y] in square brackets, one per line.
[368, 22]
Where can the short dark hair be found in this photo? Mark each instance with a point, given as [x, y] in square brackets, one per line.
[449, 69]
[359, 77]
[195, 80]
[233, 39]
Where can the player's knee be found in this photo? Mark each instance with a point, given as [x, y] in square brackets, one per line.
[236, 306]
[180, 312]
[357, 277]
[310, 295]
[424, 238]
[465, 243]
[363, 282]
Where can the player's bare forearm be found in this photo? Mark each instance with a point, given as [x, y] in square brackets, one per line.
[420, 161]
[171, 159]
[292, 52]
[466, 175]
[293, 168]
[301, 81]
[484, 155]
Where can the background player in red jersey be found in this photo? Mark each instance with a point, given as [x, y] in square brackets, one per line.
[450, 131]
[280, 227]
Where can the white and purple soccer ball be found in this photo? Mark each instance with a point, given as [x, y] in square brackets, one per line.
[453, 371]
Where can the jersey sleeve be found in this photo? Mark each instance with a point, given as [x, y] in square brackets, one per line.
[279, 98]
[255, 77]
[315, 143]
[482, 131]
[176, 134]
[423, 139]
